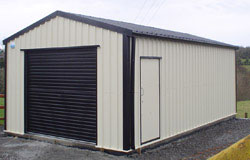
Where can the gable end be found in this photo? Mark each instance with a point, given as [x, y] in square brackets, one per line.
[72, 17]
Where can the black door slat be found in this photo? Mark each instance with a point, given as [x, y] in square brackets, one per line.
[60, 57]
[63, 73]
[59, 97]
[49, 118]
[64, 131]
[87, 104]
[62, 84]
[69, 128]
[81, 92]
[60, 122]
[62, 134]
[64, 88]
[73, 109]
[64, 112]
[40, 94]
[68, 77]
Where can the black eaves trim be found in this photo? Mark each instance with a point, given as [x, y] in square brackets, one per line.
[72, 17]
[175, 39]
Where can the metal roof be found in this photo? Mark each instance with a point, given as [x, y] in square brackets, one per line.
[127, 28]
[151, 31]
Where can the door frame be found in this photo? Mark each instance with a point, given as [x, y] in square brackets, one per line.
[157, 58]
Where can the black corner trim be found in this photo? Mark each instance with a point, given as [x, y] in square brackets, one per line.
[132, 94]
[72, 17]
[25, 91]
[126, 94]
[5, 87]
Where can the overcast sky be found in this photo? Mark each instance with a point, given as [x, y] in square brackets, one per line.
[223, 20]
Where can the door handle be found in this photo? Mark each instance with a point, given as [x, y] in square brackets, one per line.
[142, 91]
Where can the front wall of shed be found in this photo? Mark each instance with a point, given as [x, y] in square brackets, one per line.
[62, 32]
[197, 84]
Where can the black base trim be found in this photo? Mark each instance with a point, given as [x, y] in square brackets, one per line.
[185, 134]
[150, 140]
[150, 57]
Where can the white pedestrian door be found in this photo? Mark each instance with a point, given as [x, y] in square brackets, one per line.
[150, 99]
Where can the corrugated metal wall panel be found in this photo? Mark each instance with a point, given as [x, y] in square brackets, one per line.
[61, 32]
[197, 84]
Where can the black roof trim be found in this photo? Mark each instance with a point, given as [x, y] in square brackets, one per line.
[47, 18]
[124, 28]
[95, 23]
[188, 41]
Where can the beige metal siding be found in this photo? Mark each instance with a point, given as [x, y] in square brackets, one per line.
[197, 84]
[61, 32]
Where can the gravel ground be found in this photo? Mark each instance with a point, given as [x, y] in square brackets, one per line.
[199, 145]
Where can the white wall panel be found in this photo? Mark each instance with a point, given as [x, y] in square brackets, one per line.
[197, 84]
[61, 32]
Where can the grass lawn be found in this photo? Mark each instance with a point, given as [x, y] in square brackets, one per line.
[247, 67]
[242, 107]
[1, 110]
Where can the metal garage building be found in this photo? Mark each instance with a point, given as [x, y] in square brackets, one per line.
[114, 85]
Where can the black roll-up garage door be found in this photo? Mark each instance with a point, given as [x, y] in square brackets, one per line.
[61, 92]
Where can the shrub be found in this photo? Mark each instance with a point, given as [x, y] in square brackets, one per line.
[243, 84]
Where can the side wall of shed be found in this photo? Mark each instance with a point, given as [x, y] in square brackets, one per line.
[197, 84]
[62, 32]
